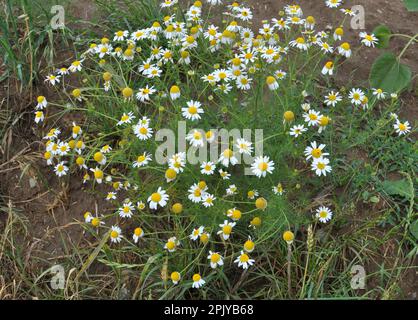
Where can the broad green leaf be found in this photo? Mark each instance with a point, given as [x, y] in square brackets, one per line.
[389, 74]
[411, 5]
[382, 33]
[398, 187]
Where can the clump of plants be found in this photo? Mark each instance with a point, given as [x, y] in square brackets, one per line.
[211, 141]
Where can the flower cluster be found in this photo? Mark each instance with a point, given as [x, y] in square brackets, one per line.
[246, 62]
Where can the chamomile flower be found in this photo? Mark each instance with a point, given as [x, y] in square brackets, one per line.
[145, 93]
[174, 92]
[315, 151]
[175, 276]
[211, 32]
[244, 260]
[215, 259]
[244, 146]
[356, 96]
[243, 82]
[226, 229]
[39, 116]
[76, 130]
[41, 103]
[222, 75]
[323, 122]
[224, 174]
[115, 234]
[138, 233]
[104, 49]
[227, 157]
[52, 79]
[126, 118]
[234, 214]
[249, 245]
[76, 66]
[63, 71]
[154, 72]
[98, 174]
[48, 157]
[196, 193]
[143, 132]
[192, 111]
[333, 3]
[244, 14]
[170, 174]
[207, 168]
[332, 98]
[52, 134]
[140, 205]
[280, 74]
[231, 190]
[261, 166]
[272, 83]
[312, 117]
[100, 158]
[278, 189]
[297, 130]
[158, 198]
[379, 93]
[198, 281]
[196, 233]
[402, 128]
[171, 244]
[328, 68]
[61, 169]
[325, 47]
[345, 50]
[323, 214]
[207, 200]
[348, 12]
[196, 138]
[88, 217]
[299, 43]
[177, 161]
[120, 35]
[321, 166]
[251, 194]
[127, 210]
[369, 40]
[111, 196]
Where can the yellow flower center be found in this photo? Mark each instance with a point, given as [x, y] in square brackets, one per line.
[227, 229]
[98, 174]
[156, 197]
[263, 166]
[321, 165]
[316, 153]
[192, 110]
[244, 258]
[345, 46]
[171, 245]
[300, 40]
[175, 276]
[127, 92]
[114, 234]
[249, 245]
[170, 174]
[215, 257]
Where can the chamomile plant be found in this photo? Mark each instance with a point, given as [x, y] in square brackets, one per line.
[252, 116]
